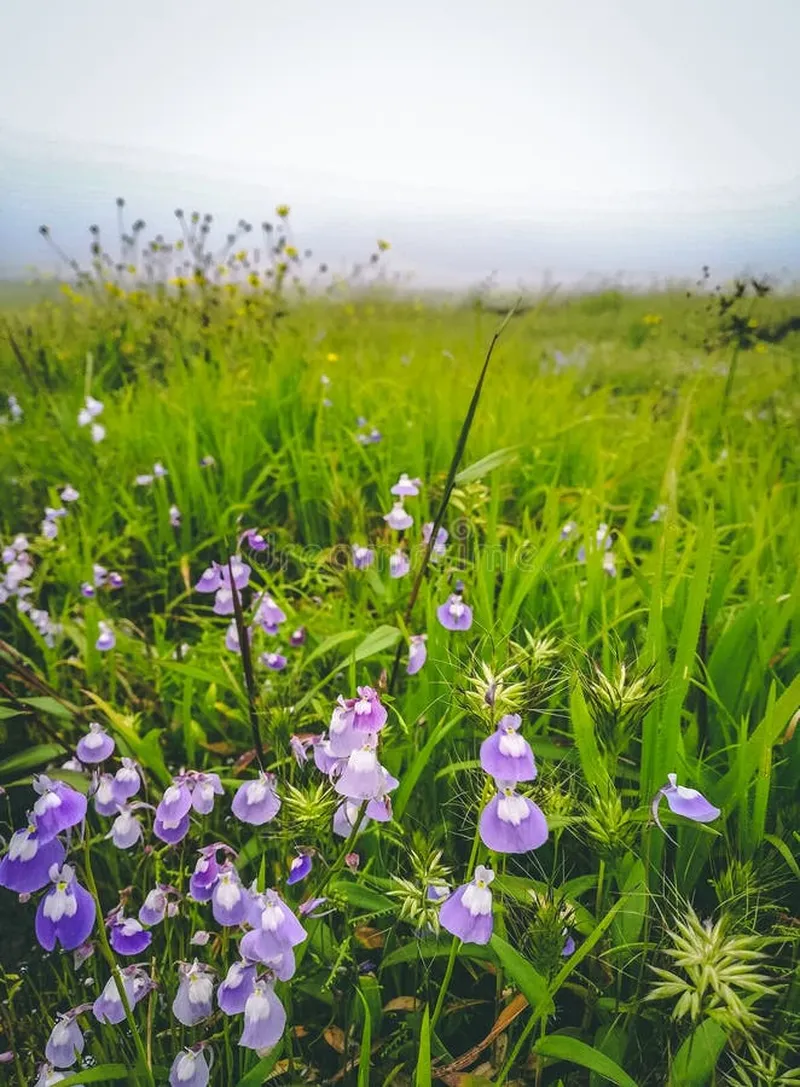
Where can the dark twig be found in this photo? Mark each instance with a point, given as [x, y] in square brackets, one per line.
[449, 486]
[247, 666]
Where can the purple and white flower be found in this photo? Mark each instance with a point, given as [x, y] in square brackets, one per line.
[405, 487]
[511, 823]
[126, 935]
[96, 745]
[506, 755]
[106, 639]
[229, 900]
[126, 830]
[399, 564]
[57, 808]
[275, 931]
[276, 662]
[157, 905]
[363, 557]
[454, 614]
[268, 615]
[108, 1008]
[27, 863]
[65, 1044]
[467, 913]
[440, 544]
[236, 988]
[256, 802]
[417, 653]
[299, 868]
[190, 1068]
[66, 914]
[369, 714]
[127, 781]
[363, 776]
[193, 1001]
[398, 517]
[683, 801]
[264, 1018]
[69, 494]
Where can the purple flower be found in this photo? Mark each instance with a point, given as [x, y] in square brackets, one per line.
[441, 538]
[299, 746]
[506, 755]
[310, 906]
[192, 1002]
[210, 580]
[264, 1018]
[58, 807]
[49, 529]
[369, 715]
[204, 787]
[104, 795]
[154, 908]
[256, 802]
[207, 461]
[206, 873]
[236, 988]
[274, 661]
[66, 913]
[345, 817]
[172, 814]
[96, 745]
[417, 653]
[144, 479]
[159, 471]
[254, 539]
[115, 580]
[190, 1068]
[240, 570]
[658, 514]
[268, 615]
[65, 1044]
[363, 557]
[126, 781]
[325, 760]
[200, 938]
[455, 614]
[363, 776]
[299, 868]
[91, 409]
[436, 892]
[405, 487]
[82, 954]
[88, 590]
[399, 564]
[467, 913]
[108, 1008]
[26, 866]
[69, 494]
[126, 935]
[223, 601]
[569, 945]
[275, 929]
[229, 899]
[99, 575]
[106, 639]
[126, 830]
[398, 517]
[682, 801]
[511, 823]
[343, 738]
[297, 637]
[174, 516]
[568, 530]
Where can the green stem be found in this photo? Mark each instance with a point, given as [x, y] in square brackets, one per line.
[108, 954]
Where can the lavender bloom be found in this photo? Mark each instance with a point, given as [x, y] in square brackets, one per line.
[26, 866]
[49, 529]
[159, 471]
[200, 938]
[568, 530]
[256, 802]
[154, 908]
[229, 900]
[417, 653]
[192, 1002]
[91, 409]
[207, 461]
[66, 913]
[82, 954]
[406, 487]
[104, 795]
[96, 745]
[399, 564]
[398, 517]
[236, 988]
[343, 738]
[204, 787]
[88, 590]
[190, 1069]
[363, 557]
[206, 873]
[369, 715]
[115, 580]
[174, 516]
[345, 817]
[299, 748]
[48, 1077]
[58, 808]
[297, 637]
[299, 868]
[325, 760]
[232, 637]
[106, 639]
[467, 913]
[14, 408]
[126, 781]
[436, 892]
[658, 514]
[99, 575]
[569, 945]
[210, 580]
[506, 755]
[127, 937]
[172, 814]
[455, 614]
[602, 540]
[108, 1008]
[65, 1044]
[511, 823]
[682, 801]
[241, 573]
[52, 514]
[274, 661]
[98, 432]
[264, 1018]
[440, 543]
[268, 615]
[126, 830]
[144, 479]
[69, 494]
[362, 777]
[223, 601]
[275, 929]
[308, 908]
[254, 539]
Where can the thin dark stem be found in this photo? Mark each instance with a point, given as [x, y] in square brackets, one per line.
[449, 486]
[247, 666]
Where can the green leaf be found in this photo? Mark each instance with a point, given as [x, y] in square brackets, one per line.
[785, 852]
[529, 981]
[28, 759]
[101, 1073]
[48, 705]
[380, 639]
[422, 1075]
[366, 1043]
[423, 757]
[362, 897]
[482, 467]
[258, 1075]
[435, 949]
[327, 644]
[562, 1047]
[594, 769]
[697, 1057]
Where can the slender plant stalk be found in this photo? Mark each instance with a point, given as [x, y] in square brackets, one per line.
[247, 667]
[116, 972]
[449, 486]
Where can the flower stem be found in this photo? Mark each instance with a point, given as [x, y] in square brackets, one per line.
[247, 667]
[108, 954]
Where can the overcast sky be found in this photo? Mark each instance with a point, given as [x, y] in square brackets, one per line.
[569, 123]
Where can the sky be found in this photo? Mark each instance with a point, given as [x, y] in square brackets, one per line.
[567, 137]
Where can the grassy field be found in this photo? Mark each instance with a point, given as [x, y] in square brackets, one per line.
[624, 950]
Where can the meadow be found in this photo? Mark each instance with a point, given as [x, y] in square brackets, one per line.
[388, 717]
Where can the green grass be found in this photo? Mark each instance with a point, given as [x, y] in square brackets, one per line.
[703, 611]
